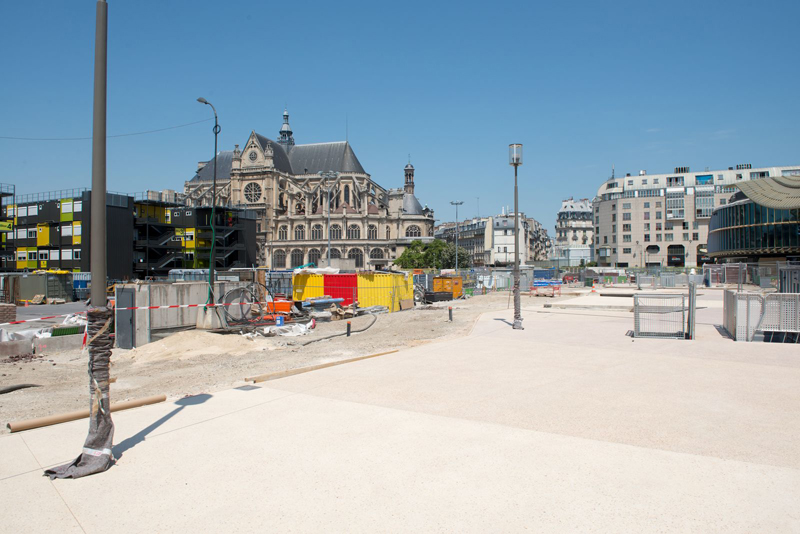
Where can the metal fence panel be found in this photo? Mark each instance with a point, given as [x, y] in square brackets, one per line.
[659, 316]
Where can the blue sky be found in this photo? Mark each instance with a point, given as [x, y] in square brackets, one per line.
[583, 85]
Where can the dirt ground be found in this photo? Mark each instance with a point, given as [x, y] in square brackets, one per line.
[193, 362]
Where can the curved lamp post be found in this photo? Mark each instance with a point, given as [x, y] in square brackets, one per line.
[212, 259]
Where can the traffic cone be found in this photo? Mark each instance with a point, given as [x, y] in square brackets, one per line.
[27, 303]
[594, 290]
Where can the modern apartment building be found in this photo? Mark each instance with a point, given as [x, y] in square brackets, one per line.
[574, 238]
[146, 234]
[663, 219]
[490, 240]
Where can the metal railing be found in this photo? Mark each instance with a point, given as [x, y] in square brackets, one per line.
[659, 316]
[780, 313]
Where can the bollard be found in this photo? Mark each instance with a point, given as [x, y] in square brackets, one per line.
[450, 312]
[348, 328]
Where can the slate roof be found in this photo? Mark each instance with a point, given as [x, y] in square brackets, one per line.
[279, 157]
[411, 205]
[779, 192]
[322, 157]
[206, 174]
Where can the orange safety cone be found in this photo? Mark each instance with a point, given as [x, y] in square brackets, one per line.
[594, 290]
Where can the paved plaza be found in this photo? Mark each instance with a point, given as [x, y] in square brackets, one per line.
[568, 426]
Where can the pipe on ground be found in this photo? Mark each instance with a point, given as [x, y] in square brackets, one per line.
[39, 422]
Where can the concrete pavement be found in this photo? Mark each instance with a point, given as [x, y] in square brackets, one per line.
[567, 426]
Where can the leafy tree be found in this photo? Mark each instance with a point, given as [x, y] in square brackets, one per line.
[437, 254]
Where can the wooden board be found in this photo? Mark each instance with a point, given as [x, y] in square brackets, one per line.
[406, 304]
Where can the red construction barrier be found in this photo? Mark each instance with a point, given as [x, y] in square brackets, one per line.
[342, 286]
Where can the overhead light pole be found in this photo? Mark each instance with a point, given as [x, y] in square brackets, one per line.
[213, 256]
[515, 160]
[457, 203]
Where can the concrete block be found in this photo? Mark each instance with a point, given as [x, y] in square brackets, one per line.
[51, 345]
[12, 348]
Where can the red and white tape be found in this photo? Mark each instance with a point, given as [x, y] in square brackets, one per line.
[168, 307]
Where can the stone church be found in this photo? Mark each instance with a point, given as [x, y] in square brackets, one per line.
[308, 195]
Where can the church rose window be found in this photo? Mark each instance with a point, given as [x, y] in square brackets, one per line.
[252, 192]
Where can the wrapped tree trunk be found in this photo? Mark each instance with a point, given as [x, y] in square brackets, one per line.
[96, 456]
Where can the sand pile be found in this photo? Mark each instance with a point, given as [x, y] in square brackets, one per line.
[192, 343]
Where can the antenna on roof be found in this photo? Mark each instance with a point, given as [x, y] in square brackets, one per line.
[346, 129]
[612, 170]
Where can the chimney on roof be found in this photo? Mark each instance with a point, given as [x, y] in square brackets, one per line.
[643, 173]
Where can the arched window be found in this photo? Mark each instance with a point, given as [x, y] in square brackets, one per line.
[313, 256]
[283, 233]
[335, 231]
[388, 233]
[372, 232]
[376, 254]
[297, 258]
[279, 259]
[347, 194]
[413, 231]
[335, 253]
[316, 231]
[356, 254]
[299, 233]
[353, 232]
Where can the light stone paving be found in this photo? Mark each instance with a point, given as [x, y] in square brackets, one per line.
[567, 426]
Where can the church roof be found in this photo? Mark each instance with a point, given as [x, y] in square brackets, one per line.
[295, 159]
[778, 192]
[279, 157]
[411, 205]
[206, 174]
[323, 157]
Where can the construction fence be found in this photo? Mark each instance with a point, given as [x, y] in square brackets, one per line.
[659, 316]
[395, 291]
[751, 316]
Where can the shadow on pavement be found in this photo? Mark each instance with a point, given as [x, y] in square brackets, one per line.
[120, 448]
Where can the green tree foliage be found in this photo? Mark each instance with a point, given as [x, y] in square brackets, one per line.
[437, 254]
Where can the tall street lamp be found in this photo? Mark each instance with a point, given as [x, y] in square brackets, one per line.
[327, 176]
[213, 259]
[456, 203]
[515, 160]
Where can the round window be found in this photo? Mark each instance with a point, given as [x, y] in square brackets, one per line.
[252, 192]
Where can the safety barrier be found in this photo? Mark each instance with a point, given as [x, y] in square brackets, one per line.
[747, 314]
[659, 316]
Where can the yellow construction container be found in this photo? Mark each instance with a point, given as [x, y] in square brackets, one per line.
[307, 286]
[385, 289]
[449, 284]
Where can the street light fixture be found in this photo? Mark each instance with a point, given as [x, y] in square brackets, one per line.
[456, 203]
[212, 259]
[515, 160]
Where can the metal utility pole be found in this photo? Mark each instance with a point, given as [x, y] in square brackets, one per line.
[97, 263]
[515, 159]
[457, 203]
[213, 256]
[326, 176]
[96, 454]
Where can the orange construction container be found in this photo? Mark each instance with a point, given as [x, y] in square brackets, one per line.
[449, 284]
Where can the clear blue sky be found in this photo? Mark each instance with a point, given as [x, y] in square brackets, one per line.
[581, 84]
